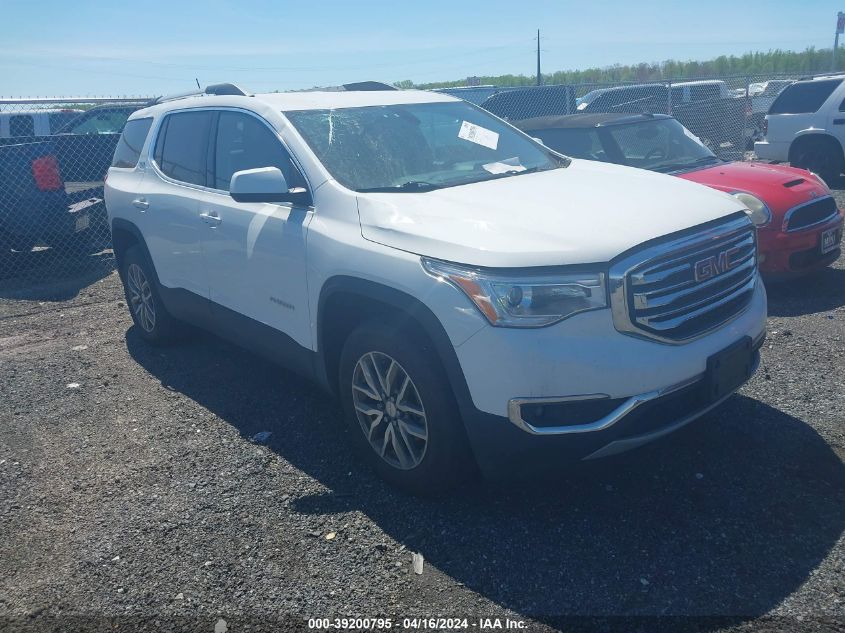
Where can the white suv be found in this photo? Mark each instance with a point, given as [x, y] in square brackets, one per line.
[806, 127]
[469, 295]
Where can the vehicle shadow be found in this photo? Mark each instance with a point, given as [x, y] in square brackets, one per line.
[51, 275]
[727, 517]
[821, 291]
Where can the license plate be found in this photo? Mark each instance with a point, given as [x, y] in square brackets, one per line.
[82, 222]
[728, 370]
[830, 240]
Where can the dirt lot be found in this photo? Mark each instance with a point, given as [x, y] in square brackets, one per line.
[131, 495]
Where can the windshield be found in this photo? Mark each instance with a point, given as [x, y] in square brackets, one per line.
[660, 145]
[418, 146]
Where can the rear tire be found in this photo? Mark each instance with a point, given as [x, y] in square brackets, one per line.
[401, 410]
[821, 156]
[154, 322]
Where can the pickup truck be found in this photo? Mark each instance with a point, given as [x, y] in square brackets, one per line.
[43, 122]
[84, 146]
[35, 207]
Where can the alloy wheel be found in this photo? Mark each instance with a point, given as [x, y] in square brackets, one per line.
[389, 410]
[141, 297]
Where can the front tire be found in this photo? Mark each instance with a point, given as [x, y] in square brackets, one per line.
[154, 323]
[401, 410]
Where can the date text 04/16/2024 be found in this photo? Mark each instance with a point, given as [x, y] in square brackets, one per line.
[416, 624]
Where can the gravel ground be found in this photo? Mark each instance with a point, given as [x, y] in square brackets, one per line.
[132, 497]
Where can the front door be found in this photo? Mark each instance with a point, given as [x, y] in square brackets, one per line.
[255, 252]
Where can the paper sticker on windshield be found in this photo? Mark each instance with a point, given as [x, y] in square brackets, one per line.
[509, 165]
[479, 135]
[693, 136]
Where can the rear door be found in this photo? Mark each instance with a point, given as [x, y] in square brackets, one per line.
[168, 202]
[255, 252]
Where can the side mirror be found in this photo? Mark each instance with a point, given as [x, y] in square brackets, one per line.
[265, 184]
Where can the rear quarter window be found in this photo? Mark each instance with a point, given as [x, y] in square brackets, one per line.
[128, 149]
[804, 98]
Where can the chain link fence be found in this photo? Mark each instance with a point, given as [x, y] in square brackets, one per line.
[54, 154]
[726, 113]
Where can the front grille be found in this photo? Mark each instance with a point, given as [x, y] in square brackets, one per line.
[679, 288]
[814, 212]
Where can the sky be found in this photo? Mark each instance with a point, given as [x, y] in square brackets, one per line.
[112, 48]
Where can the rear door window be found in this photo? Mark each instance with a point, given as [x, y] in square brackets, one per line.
[182, 146]
[804, 98]
[22, 125]
[128, 149]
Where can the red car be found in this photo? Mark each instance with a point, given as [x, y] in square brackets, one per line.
[799, 225]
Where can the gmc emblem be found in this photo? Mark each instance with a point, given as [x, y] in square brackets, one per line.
[715, 265]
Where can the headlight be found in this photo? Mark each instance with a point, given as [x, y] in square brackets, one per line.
[517, 300]
[755, 208]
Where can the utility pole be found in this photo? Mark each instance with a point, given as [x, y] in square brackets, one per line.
[840, 28]
[540, 76]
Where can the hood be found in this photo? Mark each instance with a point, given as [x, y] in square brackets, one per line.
[588, 212]
[779, 186]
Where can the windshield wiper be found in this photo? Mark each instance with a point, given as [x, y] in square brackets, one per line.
[504, 174]
[704, 160]
[411, 185]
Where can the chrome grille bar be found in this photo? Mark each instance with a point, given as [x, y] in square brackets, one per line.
[682, 287]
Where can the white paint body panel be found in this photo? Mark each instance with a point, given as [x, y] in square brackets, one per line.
[255, 261]
[587, 212]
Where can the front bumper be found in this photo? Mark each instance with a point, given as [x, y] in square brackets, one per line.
[650, 388]
[784, 254]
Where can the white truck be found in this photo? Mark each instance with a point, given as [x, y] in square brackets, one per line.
[469, 295]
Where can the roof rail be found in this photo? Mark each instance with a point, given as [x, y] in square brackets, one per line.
[226, 89]
[368, 85]
[213, 89]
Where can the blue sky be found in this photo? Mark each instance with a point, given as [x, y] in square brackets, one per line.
[114, 48]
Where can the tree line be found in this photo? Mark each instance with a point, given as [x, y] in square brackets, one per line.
[809, 61]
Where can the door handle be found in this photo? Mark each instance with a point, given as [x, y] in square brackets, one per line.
[211, 218]
[839, 121]
[141, 203]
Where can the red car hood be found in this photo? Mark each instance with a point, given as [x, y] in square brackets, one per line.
[780, 187]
